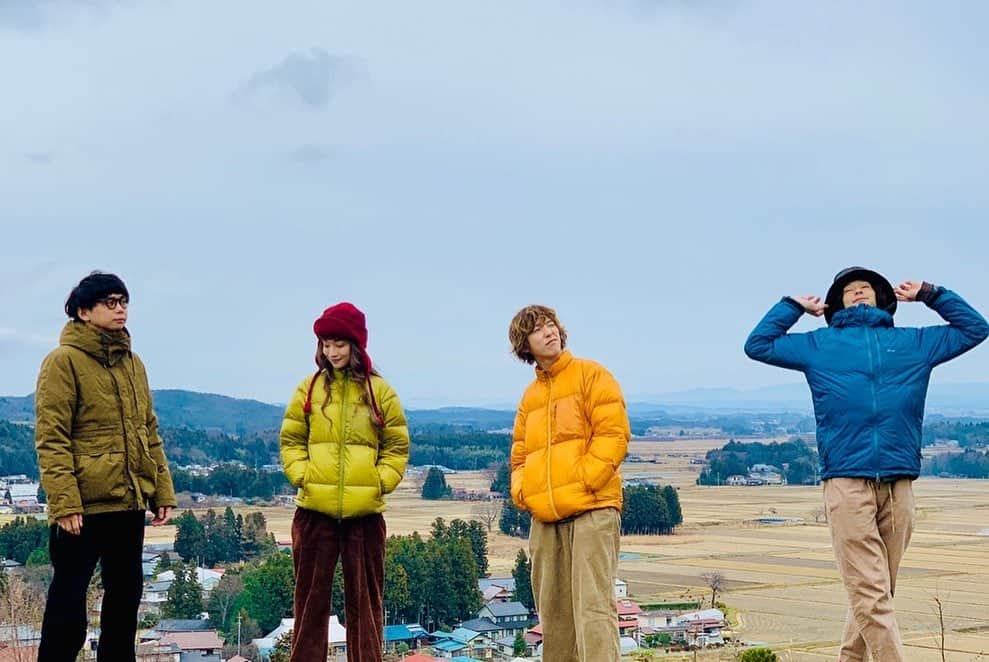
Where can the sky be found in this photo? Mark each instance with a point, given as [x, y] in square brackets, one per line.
[660, 172]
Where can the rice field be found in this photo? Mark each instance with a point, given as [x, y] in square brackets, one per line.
[782, 588]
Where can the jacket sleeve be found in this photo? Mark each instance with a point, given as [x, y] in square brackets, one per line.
[294, 436]
[55, 407]
[517, 457]
[610, 430]
[393, 453]
[770, 343]
[966, 328]
[164, 489]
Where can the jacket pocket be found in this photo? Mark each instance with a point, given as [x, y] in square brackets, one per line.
[148, 476]
[568, 420]
[100, 472]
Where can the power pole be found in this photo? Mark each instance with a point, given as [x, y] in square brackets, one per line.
[238, 633]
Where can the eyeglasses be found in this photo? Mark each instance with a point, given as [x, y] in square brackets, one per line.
[112, 302]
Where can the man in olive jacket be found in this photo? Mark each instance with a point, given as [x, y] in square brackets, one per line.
[102, 467]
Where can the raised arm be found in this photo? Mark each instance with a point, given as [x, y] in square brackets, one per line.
[770, 343]
[966, 328]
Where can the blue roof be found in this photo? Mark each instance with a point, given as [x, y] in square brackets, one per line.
[465, 659]
[464, 634]
[398, 633]
[449, 645]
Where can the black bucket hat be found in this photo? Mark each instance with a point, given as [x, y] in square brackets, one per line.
[885, 296]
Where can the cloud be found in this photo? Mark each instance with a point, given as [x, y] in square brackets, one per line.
[40, 158]
[311, 154]
[37, 15]
[14, 338]
[312, 78]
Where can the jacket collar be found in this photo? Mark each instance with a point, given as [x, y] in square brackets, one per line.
[565, 359]
[107, 347]
[861, 315]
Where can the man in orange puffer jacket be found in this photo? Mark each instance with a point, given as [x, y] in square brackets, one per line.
[571, 435]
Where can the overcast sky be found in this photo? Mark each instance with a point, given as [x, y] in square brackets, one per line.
[660, 172]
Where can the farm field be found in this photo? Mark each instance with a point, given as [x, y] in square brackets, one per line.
[783, 589]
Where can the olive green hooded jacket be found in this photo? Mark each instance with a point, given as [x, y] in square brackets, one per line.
[95, 432]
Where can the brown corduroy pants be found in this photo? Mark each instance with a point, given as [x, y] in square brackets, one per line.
[574, 563]
[871, 523]
[317, 542]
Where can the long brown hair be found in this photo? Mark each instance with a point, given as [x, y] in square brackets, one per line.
[357, 371]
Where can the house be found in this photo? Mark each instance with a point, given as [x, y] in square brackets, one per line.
[409, 634]
[183, 625]
[155, 651]
[628, 618]
[196, 646]
[511, 617]
[737, 480]
[621, 589]
[501, 589]
[336, 637]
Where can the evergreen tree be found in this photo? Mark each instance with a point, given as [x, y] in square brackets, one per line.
[503, 480]
[185, 595]
[518, 646]
[514, 522]
[435, 486]
[268, 591]
[672, 498]
[190, 537]
[522, 572]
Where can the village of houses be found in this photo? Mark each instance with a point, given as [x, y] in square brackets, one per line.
[490, 635]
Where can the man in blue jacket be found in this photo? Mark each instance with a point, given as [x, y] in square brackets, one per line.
[869, 382]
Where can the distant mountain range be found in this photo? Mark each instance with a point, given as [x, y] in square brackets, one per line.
[178, 408]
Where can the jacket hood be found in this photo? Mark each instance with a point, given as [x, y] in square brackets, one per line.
[107, 347]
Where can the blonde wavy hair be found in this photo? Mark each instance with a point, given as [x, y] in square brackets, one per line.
[523, 324]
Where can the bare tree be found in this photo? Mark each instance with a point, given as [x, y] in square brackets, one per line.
[487, 512]
[21, 609]
[715, 581]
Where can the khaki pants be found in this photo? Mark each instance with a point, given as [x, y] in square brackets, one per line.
[574, 563]
[871, 523]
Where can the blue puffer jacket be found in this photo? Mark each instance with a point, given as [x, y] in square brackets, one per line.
[868, 379]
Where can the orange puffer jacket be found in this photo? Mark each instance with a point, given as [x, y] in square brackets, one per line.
[571, 435]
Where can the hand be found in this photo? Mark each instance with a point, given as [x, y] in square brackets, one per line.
[908, 290]
[70, 524]
[812, 304]
[164, 514]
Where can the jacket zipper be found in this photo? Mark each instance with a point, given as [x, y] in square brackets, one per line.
[549, 445]
[875, 367]
[343, 440]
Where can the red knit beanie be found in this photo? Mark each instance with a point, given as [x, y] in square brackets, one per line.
[344, 321]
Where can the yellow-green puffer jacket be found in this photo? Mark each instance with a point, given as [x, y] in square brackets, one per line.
[96, 432]
[342, 464]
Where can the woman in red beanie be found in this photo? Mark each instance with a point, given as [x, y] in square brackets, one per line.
[344, 444]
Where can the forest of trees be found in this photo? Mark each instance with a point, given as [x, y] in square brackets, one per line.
[646, 509]
[969, 464]
[213, 539]
[234, 481]
[796, 459]
[457, 447]
[968, 434]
